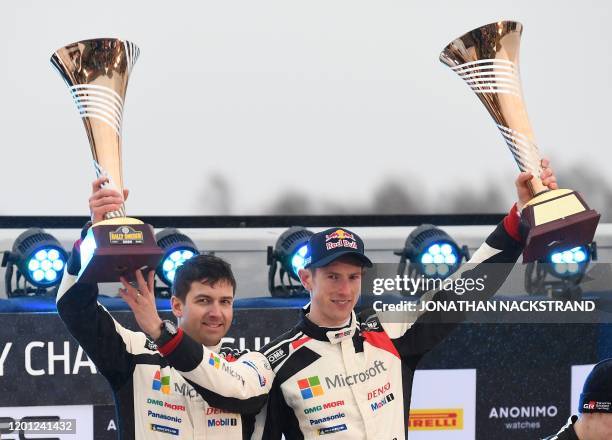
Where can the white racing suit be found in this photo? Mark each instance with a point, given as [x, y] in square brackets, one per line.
[352, 382]
[153, 401]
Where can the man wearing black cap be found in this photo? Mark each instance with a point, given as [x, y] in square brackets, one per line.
[348, 374]
[595, 408]
[342, 374]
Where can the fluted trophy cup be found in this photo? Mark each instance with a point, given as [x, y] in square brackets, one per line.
[96, 72]
[487, 58]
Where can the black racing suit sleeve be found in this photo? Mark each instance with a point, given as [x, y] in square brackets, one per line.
[431, 328]
[95, 330]
[280, 419]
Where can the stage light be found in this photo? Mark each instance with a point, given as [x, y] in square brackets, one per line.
[431, 253]
[560, 273]
[569, 263]
[39, 258]
[177, 248]
[286, 259]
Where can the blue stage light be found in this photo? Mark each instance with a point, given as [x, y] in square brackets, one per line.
[39, 258]
[561, 272]
[45, 266]
[432, 252]
[285, 261]
[570, 262]
[177, 248]
[297, 261]
[291, 248]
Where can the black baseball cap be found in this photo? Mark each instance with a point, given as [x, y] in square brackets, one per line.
[596, 394]
[326, 246]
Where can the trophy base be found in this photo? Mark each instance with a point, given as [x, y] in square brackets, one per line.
[557, 219]
[118, 247]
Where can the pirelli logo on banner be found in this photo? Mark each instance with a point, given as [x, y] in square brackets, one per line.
[435, 419]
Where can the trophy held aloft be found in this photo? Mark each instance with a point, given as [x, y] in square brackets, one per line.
[96, 72]
[487, 59]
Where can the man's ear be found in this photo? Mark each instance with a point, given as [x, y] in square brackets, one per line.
[306, 278]
[176, 306]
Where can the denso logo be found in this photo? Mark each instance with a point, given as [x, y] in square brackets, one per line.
[379, 391]
[210, 410]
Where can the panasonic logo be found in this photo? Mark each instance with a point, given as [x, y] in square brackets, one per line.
[327, 419]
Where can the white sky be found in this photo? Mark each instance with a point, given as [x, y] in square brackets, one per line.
[327, 96]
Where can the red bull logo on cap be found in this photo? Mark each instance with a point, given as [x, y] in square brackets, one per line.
[339, 234]
[344, 239]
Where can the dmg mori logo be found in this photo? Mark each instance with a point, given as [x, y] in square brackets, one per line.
[435, 419]
[326, 405]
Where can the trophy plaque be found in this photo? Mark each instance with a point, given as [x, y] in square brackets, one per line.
[487, 60]
[96, 72]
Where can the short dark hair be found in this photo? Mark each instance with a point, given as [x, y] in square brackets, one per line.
[208, 269]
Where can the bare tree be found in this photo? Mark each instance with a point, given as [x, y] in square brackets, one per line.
[595, 188]
[393, 197]
[291, 203]
[216, 198]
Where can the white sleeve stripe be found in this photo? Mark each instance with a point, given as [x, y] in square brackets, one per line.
[67, 282]
[126, 334]
[484, 252]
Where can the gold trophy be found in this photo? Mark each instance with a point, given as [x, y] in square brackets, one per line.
[487, 59]
[96, 72]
